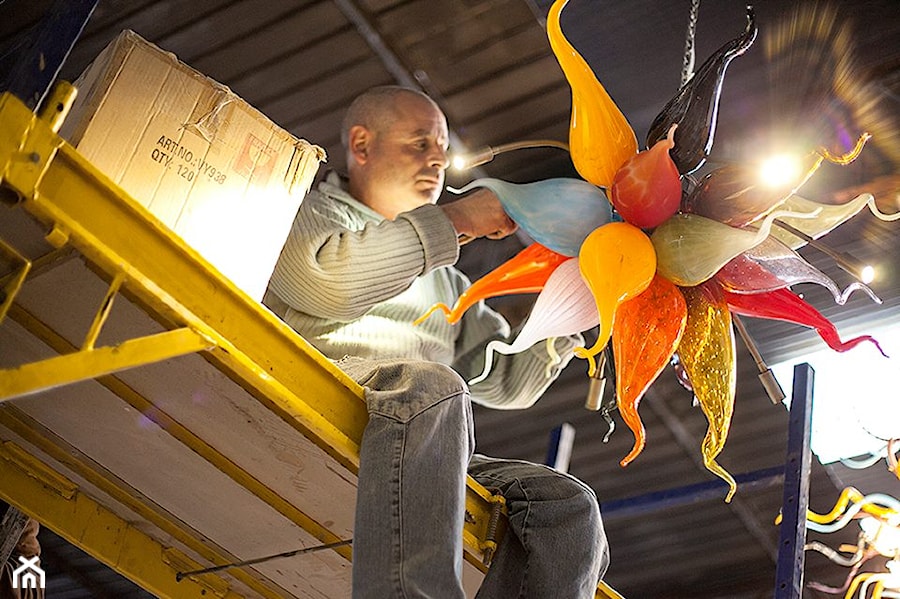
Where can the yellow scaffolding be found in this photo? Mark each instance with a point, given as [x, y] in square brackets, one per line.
[153, 414]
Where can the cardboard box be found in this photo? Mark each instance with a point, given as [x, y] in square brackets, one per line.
[204, 162]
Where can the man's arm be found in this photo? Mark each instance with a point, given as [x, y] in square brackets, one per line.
[337, 265]
[479, 214]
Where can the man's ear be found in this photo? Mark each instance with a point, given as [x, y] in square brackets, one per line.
[359, 141]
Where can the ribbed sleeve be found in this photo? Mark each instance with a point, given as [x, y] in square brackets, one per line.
[339, 260]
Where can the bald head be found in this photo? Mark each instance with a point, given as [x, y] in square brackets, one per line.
[396, 141]
[376, 109]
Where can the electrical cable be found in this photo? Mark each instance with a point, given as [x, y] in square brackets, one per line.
[834, 555]
[182, 575]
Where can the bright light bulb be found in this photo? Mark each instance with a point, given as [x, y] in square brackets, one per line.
[779, 170]
[843, 429]
[867, 275]
[459, 162]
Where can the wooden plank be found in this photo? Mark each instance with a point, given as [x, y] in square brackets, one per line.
[455, 68]
[505, 123]
[519, 81]
[407, 24]
[184, 391]
[342, 87]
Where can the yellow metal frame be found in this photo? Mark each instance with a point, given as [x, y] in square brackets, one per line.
[92, 363]
[57, 502]
[205, 313]
[12, 284]
[84, 209]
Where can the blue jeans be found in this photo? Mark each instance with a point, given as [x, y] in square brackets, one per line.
[415, 453]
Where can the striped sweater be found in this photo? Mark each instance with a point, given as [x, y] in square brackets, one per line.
[352, 283]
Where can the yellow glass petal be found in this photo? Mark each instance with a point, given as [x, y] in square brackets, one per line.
[708, 354]
[617, 262]
[600, 138]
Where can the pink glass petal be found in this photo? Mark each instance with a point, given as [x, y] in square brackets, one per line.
[772, 265]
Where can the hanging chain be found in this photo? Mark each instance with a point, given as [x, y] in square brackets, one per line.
[687, 67]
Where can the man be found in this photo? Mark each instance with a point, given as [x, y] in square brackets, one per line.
[366, 257]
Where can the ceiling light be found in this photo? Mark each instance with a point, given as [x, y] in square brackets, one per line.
[779, 171]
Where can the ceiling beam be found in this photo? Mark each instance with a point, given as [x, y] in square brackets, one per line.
[738, 506]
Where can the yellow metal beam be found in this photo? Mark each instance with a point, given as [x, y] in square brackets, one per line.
[90, 364]
[185, 436]
[63, 190]
[46, 262]
[102, 313]
[12, 286]
[108, 538]
[604, 591]
[58, 449]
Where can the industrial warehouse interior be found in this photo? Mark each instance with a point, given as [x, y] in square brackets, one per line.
[488, 64]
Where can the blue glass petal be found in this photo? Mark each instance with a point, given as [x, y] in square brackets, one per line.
[557, 213]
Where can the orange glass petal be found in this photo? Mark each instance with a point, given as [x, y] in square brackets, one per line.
[600, 138]
[648, 329]
[708, 354]
[617, 261]
[526, 272]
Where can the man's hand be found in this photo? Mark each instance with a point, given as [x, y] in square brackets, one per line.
[479, 214]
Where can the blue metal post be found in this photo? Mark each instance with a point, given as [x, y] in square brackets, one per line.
[559, 451]
[689, 494]
[789, 571]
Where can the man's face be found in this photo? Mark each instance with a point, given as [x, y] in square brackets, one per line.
[406, 158]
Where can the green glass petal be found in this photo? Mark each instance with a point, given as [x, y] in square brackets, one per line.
[691, 248]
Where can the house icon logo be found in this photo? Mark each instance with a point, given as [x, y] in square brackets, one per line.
[28, 575]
